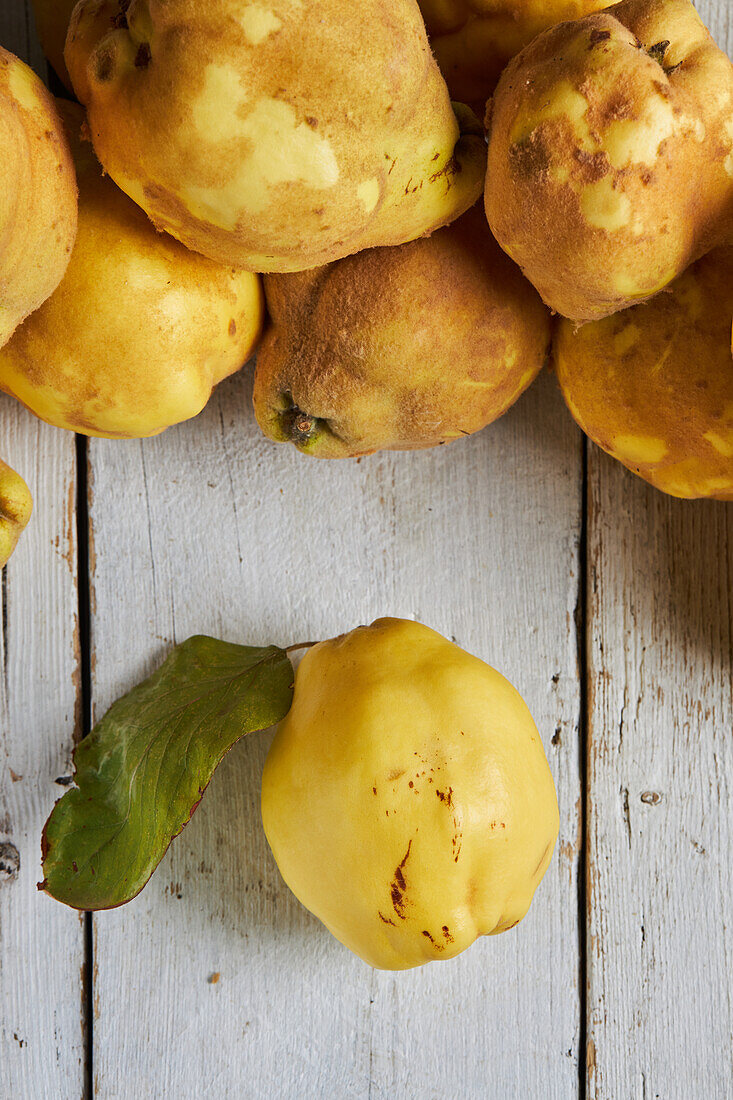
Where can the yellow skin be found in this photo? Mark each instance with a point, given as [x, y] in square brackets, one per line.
[610, 165]
[474, 39]
[399, 348]
[140, 329]
[38, 219]
[52, 23]
[264, 138]
[653, 386]
[37, 194]
[16, 505]
[406, 796]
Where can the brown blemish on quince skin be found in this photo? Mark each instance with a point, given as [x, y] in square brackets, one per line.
[399, 885]
[597, 36]
[143, 57]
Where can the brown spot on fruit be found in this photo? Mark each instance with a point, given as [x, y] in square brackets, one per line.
[104, 64]
[143, 57]
[395, 775]
[399, 886]
[596, 165]
[531, 157]
[232, 327]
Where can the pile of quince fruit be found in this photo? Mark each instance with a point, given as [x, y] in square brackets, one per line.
[315, 142]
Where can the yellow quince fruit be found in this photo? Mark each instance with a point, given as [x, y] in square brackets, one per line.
[139, 331]
[474, 39]
[275, 136]
[37, 194]
[16, 505]
[653, 385]
[406, 797]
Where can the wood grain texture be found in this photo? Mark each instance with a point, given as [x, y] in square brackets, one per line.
[660, 793]
[660, 797]
[212, 528]
[41, 943]
[42, 1039]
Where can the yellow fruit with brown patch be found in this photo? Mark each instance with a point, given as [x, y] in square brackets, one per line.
[653, 386]
[399, 348]
[275, 134]
[37, 194]
[610, 165]
[406, 796]
[140, 329]
[16, 505]
[474, 39]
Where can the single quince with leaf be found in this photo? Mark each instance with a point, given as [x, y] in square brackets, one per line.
[406, 796]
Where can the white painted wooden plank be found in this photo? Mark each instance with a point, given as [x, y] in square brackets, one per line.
[661, 801]
[41, 944]
[42, 1040]
[660, 836]
[212, 528]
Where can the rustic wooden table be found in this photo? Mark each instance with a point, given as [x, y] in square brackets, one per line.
[607, 604]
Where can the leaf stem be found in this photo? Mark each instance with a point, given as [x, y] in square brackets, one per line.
[300, 645]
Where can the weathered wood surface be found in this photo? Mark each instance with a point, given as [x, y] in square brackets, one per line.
[211, 528]
[660, 786]
[42, 1040]
[660, 792]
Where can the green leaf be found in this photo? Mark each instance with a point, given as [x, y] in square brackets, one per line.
[141, 772]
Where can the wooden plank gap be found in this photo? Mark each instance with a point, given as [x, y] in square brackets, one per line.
[85, 688]
[582, 619]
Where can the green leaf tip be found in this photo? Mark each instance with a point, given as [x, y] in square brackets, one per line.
[141, 772]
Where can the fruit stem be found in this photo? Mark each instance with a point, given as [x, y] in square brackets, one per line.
[299, 426]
